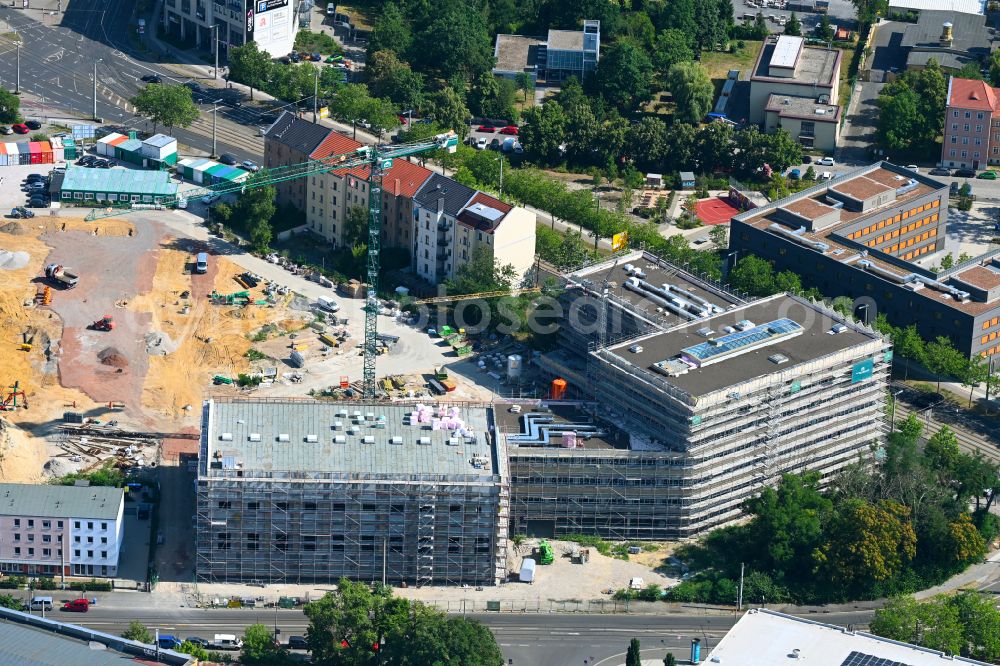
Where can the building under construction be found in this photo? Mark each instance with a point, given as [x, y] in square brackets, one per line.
[296, 491]
[715, 407]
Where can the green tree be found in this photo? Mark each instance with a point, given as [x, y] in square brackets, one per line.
[967, 543]
[11, 602]
[943, 360]
[482, 273]
[493, 97]
[391, 32]
[866, 543]
[196, 651]
[753, 275]
[381, 115]
[544, 131]
[898, 119]
[980, 622]
[261, 234]
[794, 26]
[254, 209]
[10, 105]
[911, 346]
[351, 103]
[249, 65]
[355, 225]
[824, 30]
[388, 76]
[810, 174]
[670, 660]
[719, 234]
[973, 372]
[137, 631]
[680, 15]
[447, 109]
[692, 91]
[633, 657]
[259, 646]
[933, 624]
[167, 105]
[524, 83]
[454, 43]
[648, 142]
[994, 65]
[942, 450]
[624, 76]
[672, 46]
[870, 10]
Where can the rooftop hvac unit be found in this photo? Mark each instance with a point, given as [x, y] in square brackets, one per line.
[370, 416]
[226, 437]
[339, 439]
[837, 328]
[777, 359]
[369, 439]
[341, 412]
[705, 332]
[355, 430]
[356, 414]
[312, 439]
[396, 439]
[453, 441]
[283, 437]
[254, 437]
[424, 440]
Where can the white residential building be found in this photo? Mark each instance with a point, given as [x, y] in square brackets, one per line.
[75, 530]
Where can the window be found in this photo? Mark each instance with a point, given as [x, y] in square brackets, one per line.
[17, 550]
[104, 554]
[968, 114]
[17, 537]
[104, 526]
[31, 523]
[90, 553]
[104, 539]
[979, 116]
[979, 128]
[46, 552]
[954, 114]
[76, 553]
[46, 538]
[90, 539]
[17, 522]
[965, 140]
[31, 537]
[954, 126]
[46, 524]
[966, 128]
[31, 551]
[90, 525]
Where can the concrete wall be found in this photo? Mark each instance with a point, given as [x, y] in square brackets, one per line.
[825, 134]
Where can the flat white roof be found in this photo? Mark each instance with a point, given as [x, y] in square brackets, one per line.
[956, 6]
[786, 51]
[766, 638]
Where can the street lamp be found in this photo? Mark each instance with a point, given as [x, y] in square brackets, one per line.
[215, 117]
[96, 119]
[215, 42]
[17, 80]
[865, 308]
[892, 411]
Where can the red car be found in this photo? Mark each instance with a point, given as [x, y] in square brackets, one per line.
[20, 128]
[510, 129]
[77, 606]
[486, 128]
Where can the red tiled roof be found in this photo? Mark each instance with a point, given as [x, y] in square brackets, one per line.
[492, 202]
[334, 144]
[972, 94]
[411, 176]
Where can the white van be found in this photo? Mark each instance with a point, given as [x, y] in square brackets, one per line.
[201, 264]
[328, 304]
[227, 642]
[41, 603]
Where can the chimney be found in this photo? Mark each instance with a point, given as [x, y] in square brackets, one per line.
[395, 189]
[440, 204]
[947, 37]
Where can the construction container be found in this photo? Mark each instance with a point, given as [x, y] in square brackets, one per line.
[106, 145]
[115, 186]
[129, 151]
[527, 574]
[328, 339]
[58, 152]
[186, 168]
[3, 154]
[159, 149]
[24, 153]
[69, 148]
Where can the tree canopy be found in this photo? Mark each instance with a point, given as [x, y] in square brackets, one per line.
[169, 105]
[624, 76]
[966, 624]
[692, 91]
[911, 108]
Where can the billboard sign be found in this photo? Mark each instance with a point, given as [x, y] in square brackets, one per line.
[619, 241]
[270, 25]
[268, 5]
[862, 370]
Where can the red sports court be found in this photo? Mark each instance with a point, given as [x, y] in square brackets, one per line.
[717, 210]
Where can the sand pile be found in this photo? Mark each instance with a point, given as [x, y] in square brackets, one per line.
[14, 228]
[113, 357]
[12, 261]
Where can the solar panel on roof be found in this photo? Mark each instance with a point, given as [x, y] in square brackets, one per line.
[861, 659]
[741, 341]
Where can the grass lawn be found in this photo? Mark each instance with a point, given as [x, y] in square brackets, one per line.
[717, 64]
[359, 15]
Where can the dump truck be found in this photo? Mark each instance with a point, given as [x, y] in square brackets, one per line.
[62, 275]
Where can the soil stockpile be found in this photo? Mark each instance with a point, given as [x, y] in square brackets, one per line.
[112, 357]
[14, 228]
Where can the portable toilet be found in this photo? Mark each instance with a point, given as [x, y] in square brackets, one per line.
[527, 574]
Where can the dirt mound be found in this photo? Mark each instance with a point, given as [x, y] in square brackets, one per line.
[113, 357]
[14, 228]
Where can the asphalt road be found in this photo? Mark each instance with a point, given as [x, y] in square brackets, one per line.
[526, 639]
[57, 63]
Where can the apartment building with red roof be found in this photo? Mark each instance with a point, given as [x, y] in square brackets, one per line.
[971, 125]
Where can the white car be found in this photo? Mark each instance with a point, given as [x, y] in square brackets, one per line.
[826, 161]
[826, 175]
[250, 165]
[912, 167]
[182, 203]
[210, 199]
[481, 143]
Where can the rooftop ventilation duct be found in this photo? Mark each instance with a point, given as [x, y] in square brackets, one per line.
[797, 237]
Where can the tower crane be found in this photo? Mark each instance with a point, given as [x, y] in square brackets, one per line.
[378, 159]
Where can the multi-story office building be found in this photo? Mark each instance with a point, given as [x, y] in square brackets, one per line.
[874, 234]
[786, 68]
[564, 53]
[296, 491]
[452, 222]
[53, 530]
[971, 125]
[718, 399]
[272, 24]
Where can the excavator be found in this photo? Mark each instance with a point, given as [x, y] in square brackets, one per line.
[105, 323]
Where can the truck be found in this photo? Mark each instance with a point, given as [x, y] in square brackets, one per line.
[62, 275]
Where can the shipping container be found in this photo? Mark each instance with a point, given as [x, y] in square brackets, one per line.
[106, 145]
[129, 151]
[160, 148]
[69, 149]
[58, 153]
[24, 153]
[45, 148]
[3, 154]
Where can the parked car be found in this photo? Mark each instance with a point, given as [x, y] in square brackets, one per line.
[912, 167]
[168, 642]
[987, 175]
[826, 161]
[486, 128]
[226, 158]
[250, 166]
[152, 78]
[20, 128]
[965, 173]
[807, 159]
[103, 164]
[86, 161]
[20, 211]
[182, 203]
[940, 171]
[5, 130]
[953, 190]
[481, 143]
[298, 642]
[38, 203]
[316, 57]
[210, 199]
[37, 185]
[77, 606]
[294, 57]
[33, 125]
[826, 175]
[197, 640]
[510, 129]
[494, 144]
[32, 177]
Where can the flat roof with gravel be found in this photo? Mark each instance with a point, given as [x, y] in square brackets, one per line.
[355, 438]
